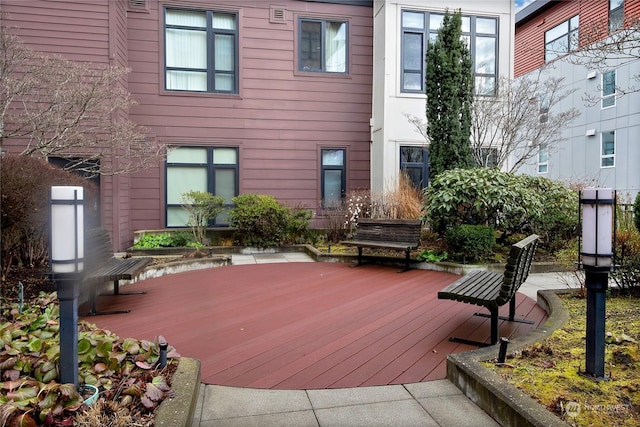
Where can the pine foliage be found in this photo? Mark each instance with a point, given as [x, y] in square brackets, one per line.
[449, 83]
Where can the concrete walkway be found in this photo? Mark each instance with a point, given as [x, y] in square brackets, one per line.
[433, 403]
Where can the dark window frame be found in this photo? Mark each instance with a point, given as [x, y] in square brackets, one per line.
[324, 168]
[426, 33]
[570, 35]
[323, 65]
[211, 178]
[422, 165]
[211, 33]
[616, 16]
[490, 154]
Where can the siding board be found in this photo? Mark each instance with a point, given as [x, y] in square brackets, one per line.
[279, 120]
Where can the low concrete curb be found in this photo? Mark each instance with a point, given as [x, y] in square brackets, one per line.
[502, 401]
[178, 411]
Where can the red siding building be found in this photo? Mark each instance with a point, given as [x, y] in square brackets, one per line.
[254, 97]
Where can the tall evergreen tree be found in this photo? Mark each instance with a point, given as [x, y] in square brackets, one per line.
[449, 83]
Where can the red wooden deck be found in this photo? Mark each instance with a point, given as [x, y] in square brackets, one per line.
[307, 325]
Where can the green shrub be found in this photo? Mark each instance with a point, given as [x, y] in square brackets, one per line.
[260, 220]
[176, 239]
[299, 231]
[512, 204]
[627, 273]
[181, 238]
[470, 243]
[484, 196]
[636, 212]
[557, 220]
[202, 207]
[431, 255]
[154, 241]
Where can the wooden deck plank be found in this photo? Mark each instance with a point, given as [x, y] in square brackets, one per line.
[306, 325]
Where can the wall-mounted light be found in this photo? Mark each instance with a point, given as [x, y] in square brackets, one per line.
[591, 75]
[590, 132]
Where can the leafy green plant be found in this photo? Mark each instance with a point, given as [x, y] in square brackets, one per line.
[430, 255]
[202, 207]
[627, 272]
[262, 222]
[636, 212]
[299, 231]
[29, 355]
[153, 241]
[470, 242]
[504, 201]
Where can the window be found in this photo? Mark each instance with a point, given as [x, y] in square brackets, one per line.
[333, 176]
[609, 89]
[211, 169]
[543, 160]
[543, 116]
[487, 157]
[480, 33]
[561, 39]
[616, 15]
[607, 156]
[414, 161]
[201, 51]
[322, 46]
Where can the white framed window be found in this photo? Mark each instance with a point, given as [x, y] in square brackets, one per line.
[543, 116]
[608, 149]
[609, 89]
[543, 160]
[201, 51]
[322, 46]
[561, 39]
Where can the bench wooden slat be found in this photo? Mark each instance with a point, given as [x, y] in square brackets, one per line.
[102, 266]
[396, 234]
[492, 290]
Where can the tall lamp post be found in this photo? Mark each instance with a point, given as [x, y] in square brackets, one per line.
[596, 254]
[66, 252]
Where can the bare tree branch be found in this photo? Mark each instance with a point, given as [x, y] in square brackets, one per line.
[605, 45]
[71, 110]
[419, 124]
[523, 118]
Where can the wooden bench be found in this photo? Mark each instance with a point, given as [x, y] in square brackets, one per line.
[492, 290]
[397, 234]
[101, 266]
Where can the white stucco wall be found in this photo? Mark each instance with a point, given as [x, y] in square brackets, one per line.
[390, 127]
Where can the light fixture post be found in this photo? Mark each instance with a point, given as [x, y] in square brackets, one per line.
[66, 256]
[596, 257]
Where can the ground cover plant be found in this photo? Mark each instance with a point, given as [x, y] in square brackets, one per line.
[126, 371]
[552, 371]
